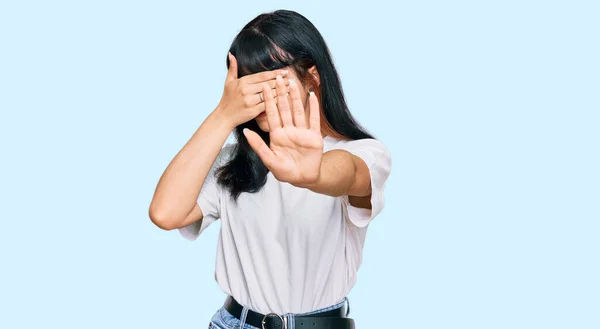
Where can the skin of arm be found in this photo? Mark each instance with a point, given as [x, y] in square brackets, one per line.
[295, 154]
[174, 202]
[343, 173]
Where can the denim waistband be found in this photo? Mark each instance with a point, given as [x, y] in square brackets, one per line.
[223, 319]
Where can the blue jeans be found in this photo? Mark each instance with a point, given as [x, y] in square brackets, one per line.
[224, 320]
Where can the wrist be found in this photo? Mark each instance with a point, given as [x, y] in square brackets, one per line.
[312, 183]
[219, 116]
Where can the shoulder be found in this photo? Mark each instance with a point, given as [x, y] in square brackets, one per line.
[370, 148]
[364, 142]
[226, 152]
[376, 156]
[228, 148]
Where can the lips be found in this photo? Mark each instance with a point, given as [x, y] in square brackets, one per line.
[262, 115]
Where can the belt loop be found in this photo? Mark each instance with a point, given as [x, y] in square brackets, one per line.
[243, 316]
[290, 318]
[347, 306]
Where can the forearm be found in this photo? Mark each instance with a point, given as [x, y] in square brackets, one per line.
[337, 174]
[180, 184]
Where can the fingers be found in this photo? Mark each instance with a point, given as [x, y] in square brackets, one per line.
[271, 109]
[262, 76]
[255, 88]
[233, 68]
[315, 120]
[261, 107]
[283, 105]
[297, 107]
[256, 91]
[260, 147]
[256, 98]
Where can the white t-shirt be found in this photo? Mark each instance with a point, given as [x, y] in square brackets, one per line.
[286, 249]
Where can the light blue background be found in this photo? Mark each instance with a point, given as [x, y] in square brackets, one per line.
[489, 108]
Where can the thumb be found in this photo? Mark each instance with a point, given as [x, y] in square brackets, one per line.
[260, 147]
[232, 73]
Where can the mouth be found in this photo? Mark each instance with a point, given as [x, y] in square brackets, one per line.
[261, 115]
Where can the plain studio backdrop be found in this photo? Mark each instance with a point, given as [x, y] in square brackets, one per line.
[490, 110]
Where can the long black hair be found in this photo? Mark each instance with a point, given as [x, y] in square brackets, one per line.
[272, 41]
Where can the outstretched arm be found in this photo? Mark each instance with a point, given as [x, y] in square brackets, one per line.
[295, 154]
[341, 173]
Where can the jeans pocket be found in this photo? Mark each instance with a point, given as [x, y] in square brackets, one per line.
[212, 325]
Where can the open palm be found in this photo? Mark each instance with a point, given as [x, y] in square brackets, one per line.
[296, 148]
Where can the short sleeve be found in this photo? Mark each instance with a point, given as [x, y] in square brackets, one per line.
[379, 162]
[208, 199]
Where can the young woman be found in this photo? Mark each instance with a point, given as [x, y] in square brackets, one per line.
[294, 194]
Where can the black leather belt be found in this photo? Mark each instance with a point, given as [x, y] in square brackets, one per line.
[332, 319]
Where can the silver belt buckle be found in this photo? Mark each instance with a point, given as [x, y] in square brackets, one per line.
[283, 321]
